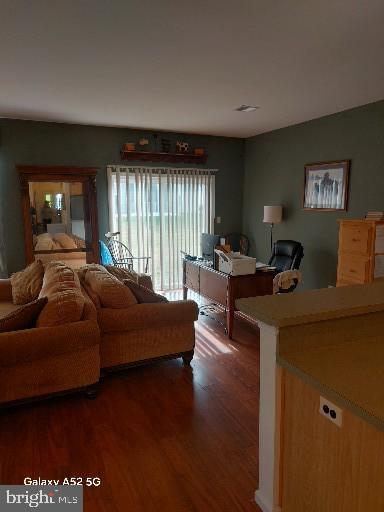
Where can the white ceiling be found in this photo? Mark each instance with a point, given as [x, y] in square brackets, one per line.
[186, 65]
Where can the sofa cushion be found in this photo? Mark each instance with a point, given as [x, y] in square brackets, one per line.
[143, 294]
[27, 283]
[144, 316]
[23, 317]
[89, 267]
[91, 294]
[34, 345]
[5, 290]
[122, 273]
[7, 307]
[111, 292]
[145, 280]
[65, 299]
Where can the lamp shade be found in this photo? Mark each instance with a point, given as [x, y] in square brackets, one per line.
[273, 214]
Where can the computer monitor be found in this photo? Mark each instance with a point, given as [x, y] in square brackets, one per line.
[208, 244]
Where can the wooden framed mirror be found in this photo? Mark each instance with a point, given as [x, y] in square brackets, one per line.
[60, 214]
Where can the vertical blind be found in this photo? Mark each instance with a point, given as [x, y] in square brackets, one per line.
[160, 212]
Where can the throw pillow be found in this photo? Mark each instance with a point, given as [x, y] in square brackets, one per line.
[143, 294]
[122, 273]
[27, 283]
[65, 299]
[23, 317]
[111, 292]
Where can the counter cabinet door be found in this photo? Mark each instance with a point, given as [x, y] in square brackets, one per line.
[327, 468]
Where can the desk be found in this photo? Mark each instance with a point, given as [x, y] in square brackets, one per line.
[224, 289]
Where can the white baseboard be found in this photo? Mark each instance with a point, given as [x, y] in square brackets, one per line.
[264, 504]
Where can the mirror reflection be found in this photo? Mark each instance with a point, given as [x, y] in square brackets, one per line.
[57, 212]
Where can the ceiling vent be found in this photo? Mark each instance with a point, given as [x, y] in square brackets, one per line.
[246, 108]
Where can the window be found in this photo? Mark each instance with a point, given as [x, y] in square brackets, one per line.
[160, 212]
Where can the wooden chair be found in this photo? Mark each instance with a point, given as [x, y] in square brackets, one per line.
[121, 255]
[238, 242]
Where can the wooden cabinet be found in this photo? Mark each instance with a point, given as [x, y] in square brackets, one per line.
[326, 468]
[361, 252]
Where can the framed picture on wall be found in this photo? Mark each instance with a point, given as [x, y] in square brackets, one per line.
[326, 186]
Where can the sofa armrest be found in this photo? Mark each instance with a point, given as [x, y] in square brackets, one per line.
[5, 289]
[144, 316]
[28, 345]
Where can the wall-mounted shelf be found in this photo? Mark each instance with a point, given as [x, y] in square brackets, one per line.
[149, 156]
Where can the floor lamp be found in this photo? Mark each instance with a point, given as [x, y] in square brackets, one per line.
[273, 215]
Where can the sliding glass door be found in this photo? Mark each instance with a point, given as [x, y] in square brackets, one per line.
[160, 212]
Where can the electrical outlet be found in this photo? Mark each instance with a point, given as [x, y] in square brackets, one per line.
[218, 220]
[331, 411]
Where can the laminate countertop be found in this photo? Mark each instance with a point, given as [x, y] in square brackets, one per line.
[314, 305]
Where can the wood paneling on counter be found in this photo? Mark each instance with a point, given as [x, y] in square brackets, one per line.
[327, 468]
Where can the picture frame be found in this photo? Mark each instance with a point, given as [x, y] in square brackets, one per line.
[326, 186]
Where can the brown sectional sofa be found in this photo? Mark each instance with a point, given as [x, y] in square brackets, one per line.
[147, 331]
[133, 333]
[44, 360]
[41, 361]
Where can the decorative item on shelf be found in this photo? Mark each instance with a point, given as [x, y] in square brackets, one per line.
[143, 143]
[129, 146]
[155, 142]
[182, 146]
[198, 151]
[165, 145]
[273, 215]
[326, 186]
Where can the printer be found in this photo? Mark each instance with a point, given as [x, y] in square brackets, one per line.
[235, 264]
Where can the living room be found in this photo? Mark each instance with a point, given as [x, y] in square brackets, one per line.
[82, 83]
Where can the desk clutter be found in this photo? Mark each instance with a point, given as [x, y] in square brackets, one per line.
[229, 254]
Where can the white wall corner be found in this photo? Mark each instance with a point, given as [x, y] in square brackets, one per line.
[264, 504]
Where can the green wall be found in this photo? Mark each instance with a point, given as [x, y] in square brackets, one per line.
[266, 169]
[274, 171]
[40, 143]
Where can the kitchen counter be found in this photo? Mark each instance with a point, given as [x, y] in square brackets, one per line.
[333, 340]
[314, 305]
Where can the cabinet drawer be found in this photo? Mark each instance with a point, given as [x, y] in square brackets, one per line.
[192, 276]
[352, 267]
[356, 238]
[345, 282]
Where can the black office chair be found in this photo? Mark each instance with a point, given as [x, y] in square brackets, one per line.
[238, 242]
[286, 255]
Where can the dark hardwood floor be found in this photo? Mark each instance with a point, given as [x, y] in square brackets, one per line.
[162, 437]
